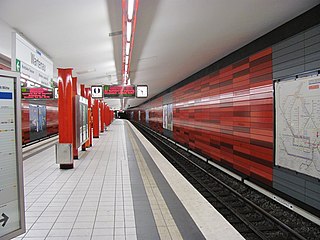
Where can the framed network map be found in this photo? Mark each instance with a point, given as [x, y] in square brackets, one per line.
[297, 118]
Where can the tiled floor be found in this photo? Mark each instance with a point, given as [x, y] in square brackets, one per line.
[121, 188]
[92, 201]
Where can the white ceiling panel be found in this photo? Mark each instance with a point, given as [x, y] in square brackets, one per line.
[173, 39]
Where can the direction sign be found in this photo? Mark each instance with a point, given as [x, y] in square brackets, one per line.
[96, 91]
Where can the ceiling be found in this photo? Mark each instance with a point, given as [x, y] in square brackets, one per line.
[173, 38]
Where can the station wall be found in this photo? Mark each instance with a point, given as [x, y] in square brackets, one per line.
[227, 113]
[296, 55]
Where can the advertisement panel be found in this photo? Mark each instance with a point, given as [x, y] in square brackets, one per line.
[170, 117]
[165, 117]
[37, 121]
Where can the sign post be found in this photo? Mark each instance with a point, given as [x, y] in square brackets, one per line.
[12, 219]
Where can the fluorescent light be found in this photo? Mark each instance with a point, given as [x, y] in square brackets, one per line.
[127, 60]
[127, 48]
[130, 9]
[126, 68]
[129, 28]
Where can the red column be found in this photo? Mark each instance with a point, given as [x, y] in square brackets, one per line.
[74, 93]
[65, 104]
[95, 114]
[101, 116]
[105, 115]
[88, 94]
[83, 94]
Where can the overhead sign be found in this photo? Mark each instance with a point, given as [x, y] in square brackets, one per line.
[142, 91]
[36, 93]
[12, 221]
[119, 91]
[96, 91]
[31, 62]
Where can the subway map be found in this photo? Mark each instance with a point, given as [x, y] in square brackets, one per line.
[297, 104]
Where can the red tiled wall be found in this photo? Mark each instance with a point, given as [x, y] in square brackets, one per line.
[155, 114]
[227, 115]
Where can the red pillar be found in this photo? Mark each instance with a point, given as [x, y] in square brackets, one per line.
[83, 94]
[101, 116]
[88, 94]
[108, 116]
[95, 114]
[74, 93]
[65, 104]
[105, 115]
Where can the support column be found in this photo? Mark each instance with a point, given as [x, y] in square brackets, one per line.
[65, 104]
[102, 116]
[88, 94]
[107, 115]
[74, 93]
[83, 94]
[96, 118]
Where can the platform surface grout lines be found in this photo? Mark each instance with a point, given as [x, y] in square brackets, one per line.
[90, 202]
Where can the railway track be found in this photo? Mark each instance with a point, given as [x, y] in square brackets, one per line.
[251, 213]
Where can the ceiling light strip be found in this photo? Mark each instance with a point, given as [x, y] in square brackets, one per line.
[129, 16]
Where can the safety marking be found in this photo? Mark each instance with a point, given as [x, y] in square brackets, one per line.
[166, 225]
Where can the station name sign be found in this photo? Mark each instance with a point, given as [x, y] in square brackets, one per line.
[36, 93]
[119, 91]
[32, 64]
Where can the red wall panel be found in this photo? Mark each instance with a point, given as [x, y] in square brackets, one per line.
[226, 115]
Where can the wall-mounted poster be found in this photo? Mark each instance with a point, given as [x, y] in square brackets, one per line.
[165, 117]
[170, 117]
[297, 111]
[147, 116]
[37, 121]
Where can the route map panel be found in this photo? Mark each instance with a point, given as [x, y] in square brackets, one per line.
[297, 106]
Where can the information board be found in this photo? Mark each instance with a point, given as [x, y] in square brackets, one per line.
[119, 91]
[12, 222]
[36, 93]
[297, 106]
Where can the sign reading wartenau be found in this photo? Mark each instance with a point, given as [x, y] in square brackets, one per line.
[31, 62]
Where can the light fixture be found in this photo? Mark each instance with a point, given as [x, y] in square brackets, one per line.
[129, 14]
[127, 48]
[130, 9]
[129, 29]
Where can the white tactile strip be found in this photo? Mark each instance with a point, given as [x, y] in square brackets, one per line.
[208, 219]
[181, 218]
[165, 223]
[90, 202]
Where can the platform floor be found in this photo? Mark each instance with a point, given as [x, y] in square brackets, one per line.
[121, 188]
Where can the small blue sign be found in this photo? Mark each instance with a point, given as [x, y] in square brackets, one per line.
[5, 95]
